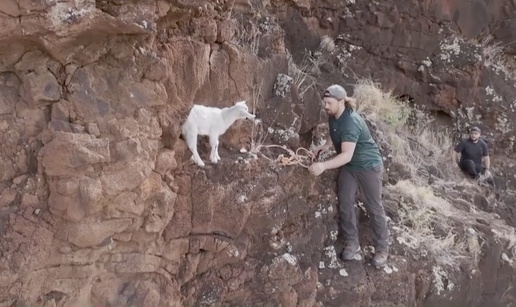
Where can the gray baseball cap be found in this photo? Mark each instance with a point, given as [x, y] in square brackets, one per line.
[474, 129]
[336, 91]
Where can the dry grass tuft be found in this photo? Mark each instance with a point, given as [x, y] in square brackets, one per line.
[247, 36]
[248, 33]
[495, 57]
[302, 74]
[422, 212]
[327, 44]
[493, 52]
[256, 100]
[380, 105]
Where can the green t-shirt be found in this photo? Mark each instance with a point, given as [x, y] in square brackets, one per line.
[351, 127]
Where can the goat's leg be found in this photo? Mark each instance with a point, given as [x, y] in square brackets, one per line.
[249, 115]
[214, 144]
[191, 142]
[217, 152]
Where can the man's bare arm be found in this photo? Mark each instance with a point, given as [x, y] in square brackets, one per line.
[347, 150]
[457, 156]
[487, 162]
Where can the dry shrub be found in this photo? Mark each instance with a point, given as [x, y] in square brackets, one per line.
[420, 147]
[429, 221]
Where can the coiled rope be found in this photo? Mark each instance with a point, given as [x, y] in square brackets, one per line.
[294, 156]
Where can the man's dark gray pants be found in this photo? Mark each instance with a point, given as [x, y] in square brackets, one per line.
[370, 184]
[473, 169]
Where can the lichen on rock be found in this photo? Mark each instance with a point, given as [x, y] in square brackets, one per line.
[282, 85]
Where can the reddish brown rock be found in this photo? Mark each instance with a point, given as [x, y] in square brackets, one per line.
[69, 153]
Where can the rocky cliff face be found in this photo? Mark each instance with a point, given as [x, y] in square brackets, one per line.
[100, 205]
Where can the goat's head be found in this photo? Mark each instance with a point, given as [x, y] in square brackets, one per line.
[243, 110]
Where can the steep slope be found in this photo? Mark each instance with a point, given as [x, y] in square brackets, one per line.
[100, 205]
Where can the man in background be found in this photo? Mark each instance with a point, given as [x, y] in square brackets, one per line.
[474, 156]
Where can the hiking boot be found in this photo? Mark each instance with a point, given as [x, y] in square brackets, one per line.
[350, 251]
[380, 259]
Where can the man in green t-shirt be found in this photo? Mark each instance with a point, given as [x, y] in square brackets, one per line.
[360, 163]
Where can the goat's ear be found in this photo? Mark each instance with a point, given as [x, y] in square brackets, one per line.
[240, 102]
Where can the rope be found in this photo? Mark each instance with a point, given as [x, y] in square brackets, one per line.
[293, 159]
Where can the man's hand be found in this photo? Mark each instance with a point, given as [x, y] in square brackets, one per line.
[487, 173]
[317, 168]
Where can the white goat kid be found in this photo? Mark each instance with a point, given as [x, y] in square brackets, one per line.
[212, 122]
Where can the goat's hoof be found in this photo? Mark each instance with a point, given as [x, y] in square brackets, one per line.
[200, 163]
[214, 161]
